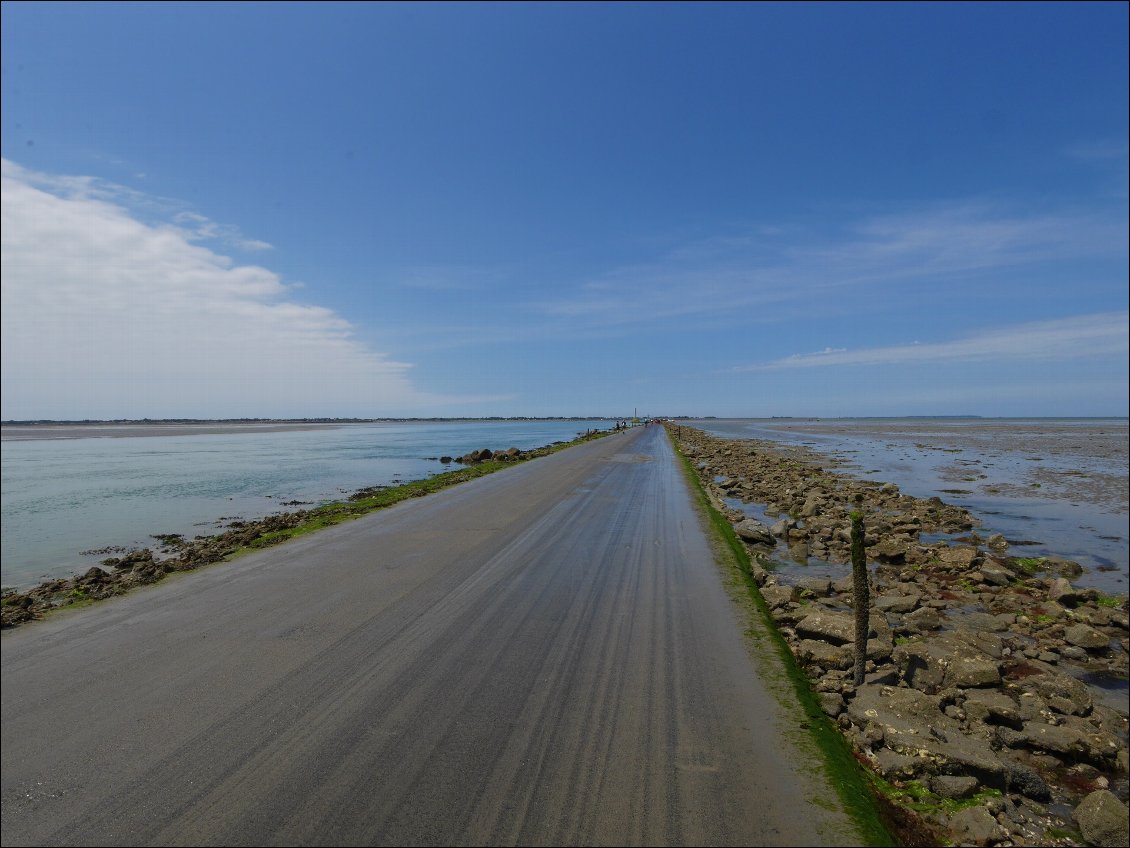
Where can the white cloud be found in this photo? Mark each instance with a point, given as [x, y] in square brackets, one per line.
[1102, 334]
[771, 273]
[106, 316]
[196, 227]
[192, 225]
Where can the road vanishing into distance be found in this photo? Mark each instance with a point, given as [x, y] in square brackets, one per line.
[545, 655]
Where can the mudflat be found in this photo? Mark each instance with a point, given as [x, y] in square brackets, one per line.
[1075, 460]
[543, 655]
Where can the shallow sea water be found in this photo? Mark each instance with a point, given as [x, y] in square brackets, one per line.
[60, 497]
[1053, 487]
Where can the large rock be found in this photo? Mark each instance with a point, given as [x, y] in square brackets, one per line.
[892, 766]
[1062, 692]
[975, 826]
[781, 528]
[897, 603]
[758, 573]
[1026, 781]
[995, 574]
[923, 620]
[912, 723]
[821, 587]
[888, 550]
[961, 557]
[906, 711]
[972, 672]
[1062, 592]
[885, 676]
[955, 752]
[134, 559]
[1060, 566]
[945, 660]
[1070, 738]
[1085, 636]
[953, 786]
[778, 596]
[752, 530]
[992, 706]
[1063, 740]
[832, 703]
[815, 652]
[837, 628]
[812, 505]
[94, 577]
[982, 622]
[1103, 819]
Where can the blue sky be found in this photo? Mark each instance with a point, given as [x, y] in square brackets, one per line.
[226, 210]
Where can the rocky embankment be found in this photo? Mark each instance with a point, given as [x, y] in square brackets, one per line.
[974, 715]
[174, 553]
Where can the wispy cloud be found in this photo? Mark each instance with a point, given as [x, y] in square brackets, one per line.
[770, 272]
[1102, 334]
[105, 316]
[1110, 157]
[197, 227]
[958, 239]
[152, 209]
[1104, 150]
[760, 276]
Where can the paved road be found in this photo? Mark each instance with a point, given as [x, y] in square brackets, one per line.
[542, 656]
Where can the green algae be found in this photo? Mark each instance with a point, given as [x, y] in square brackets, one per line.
[843, 771]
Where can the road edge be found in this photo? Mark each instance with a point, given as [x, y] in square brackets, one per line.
[769, 647]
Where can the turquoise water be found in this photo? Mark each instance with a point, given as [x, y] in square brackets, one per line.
[61, 497]
[1053, 486]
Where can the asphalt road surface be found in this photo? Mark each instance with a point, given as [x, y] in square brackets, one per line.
[546, 655]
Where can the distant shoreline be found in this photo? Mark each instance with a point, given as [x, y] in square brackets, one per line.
[46, 432]
[17, 431]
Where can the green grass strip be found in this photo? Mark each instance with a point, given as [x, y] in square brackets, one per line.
[840, 765]
[336, 512]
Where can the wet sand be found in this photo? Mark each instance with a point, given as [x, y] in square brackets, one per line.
[1068, 461]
